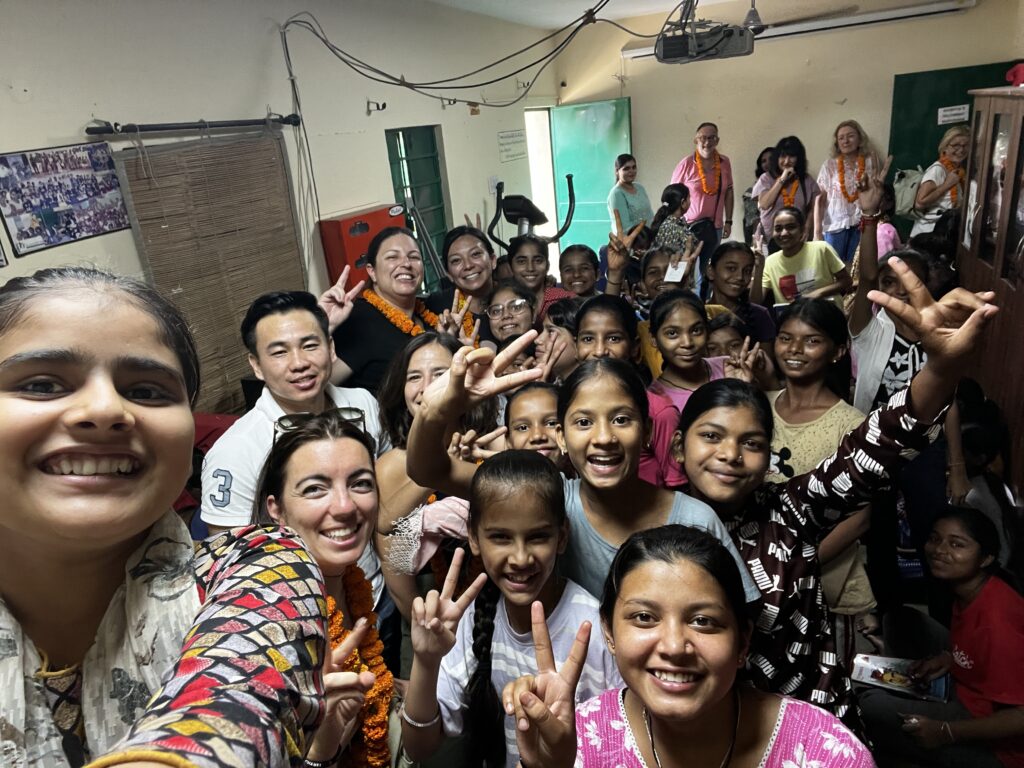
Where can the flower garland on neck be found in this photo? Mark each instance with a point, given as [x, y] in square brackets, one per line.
[841, 163]
[468, 320]
[952, 167]
[370, 746]
[398, 318]
[717, 168]
[789, 198]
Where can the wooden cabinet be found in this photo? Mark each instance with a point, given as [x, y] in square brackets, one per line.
[991, 249]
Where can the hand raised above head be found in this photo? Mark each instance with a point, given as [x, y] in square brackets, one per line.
[949, 329]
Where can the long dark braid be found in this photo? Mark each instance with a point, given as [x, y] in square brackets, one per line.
[485, 719]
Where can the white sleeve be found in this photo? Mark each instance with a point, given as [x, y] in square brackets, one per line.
[230, 474]
[453, 679]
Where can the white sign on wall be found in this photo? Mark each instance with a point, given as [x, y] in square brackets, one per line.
[511, 145]
[959, 114]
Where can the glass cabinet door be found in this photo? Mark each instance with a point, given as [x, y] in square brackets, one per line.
[992, 209]
[977, 166]
[1013, 258]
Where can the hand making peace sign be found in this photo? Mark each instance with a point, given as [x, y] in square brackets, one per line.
[544, 705]
[337, 302]
[436, 617]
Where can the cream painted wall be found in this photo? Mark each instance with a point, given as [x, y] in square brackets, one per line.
[64, 63]
[803, 85]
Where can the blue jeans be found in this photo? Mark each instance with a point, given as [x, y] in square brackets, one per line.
[845, 242]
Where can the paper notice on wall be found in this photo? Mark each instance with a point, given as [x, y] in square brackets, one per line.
[511, 145]
[961, 113]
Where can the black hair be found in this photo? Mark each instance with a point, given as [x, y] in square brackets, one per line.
[743, 309]
[979, 527]
[462, 231]
[670, 544]
[328, 425]
[792, 146]
[727, 393]
[533, 386]
[616, 306]
[669, 301]
[621, 160]
[651, 253]
[515, 287]
[519, 241]
[917, 261]
[586, 250]
[887, 205]
[18, 294]
[757, 169]
[671, 198]
[501, 476]
[825, 316]
[728, 320]
[278, 303]
[378, 240]
[504, 344]
[622, 371]
[791, 210]
[394, 413]
[562, 313]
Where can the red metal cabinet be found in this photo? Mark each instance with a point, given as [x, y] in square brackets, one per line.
[345, 238]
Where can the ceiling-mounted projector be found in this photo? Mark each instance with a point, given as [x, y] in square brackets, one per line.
[718, 41]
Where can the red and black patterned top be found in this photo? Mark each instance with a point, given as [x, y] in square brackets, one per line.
[792, 651]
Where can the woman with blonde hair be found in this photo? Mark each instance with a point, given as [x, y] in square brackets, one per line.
[942, 185]
[836, 212]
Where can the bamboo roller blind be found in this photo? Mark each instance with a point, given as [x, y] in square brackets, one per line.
[215, 228]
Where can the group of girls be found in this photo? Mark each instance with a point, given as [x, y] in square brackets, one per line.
[124, 646]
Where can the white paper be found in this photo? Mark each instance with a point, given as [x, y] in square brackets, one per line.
[960, 113]
[677, 273]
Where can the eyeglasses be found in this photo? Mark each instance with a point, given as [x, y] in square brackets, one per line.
[293, 421]
[514, 307]
[707, 139]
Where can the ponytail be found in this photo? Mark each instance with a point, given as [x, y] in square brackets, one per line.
[671, 199]
[485, 718]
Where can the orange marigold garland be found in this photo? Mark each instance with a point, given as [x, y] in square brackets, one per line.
[789, 198]
[398, 318]
[370, 746]
[841, 164]
[468, 321]
[717, 168]
[952, 167]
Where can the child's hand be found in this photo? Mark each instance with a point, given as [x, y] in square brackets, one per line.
[473, 447]
[740, 365]
[870, 188]
[343, 697]
[475, 376]
[549, 356]
[436, 617]
[544, 706]
[950, 329]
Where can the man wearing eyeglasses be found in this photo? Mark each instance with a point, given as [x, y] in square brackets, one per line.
[708, 176]
[291, 352]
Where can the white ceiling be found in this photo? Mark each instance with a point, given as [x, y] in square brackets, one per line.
[551, 14]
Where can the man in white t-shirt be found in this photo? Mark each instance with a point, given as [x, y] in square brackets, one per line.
[291, 352]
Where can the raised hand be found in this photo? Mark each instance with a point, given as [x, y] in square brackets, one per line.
[344, 693]
[544, 705]
[787, 174]
[549, 354]
[740, 365]
[337, 302]
[436, 617]
[452, 321]
[476, 375]
[474, 447]
[870, 188]
[621, 245]
[470, 223]
[950, 329]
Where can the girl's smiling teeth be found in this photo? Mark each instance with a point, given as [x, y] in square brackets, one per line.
[674, 677]
[87, 464]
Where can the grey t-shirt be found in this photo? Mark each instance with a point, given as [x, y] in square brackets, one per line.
[589, 557]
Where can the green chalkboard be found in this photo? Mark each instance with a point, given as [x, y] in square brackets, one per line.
[585, 138]
[917, 97]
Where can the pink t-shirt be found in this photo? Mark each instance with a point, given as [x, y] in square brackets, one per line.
[803, 736]
[657, 465]
[888, 239]
[704, 206]
[679, 396]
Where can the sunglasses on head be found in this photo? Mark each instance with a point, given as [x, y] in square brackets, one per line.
[293, 421]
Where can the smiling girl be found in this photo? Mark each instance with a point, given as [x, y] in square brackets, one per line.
[528, 258]
[467, 650]
[100, 583]
[732, 270]
[724, 441]
[674, 617]
[510, 310]
[602, 409]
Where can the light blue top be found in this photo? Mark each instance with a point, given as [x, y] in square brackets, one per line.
[632, 208]
[588, 557]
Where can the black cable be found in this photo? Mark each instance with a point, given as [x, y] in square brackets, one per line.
[624, 29]
[302, 123]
